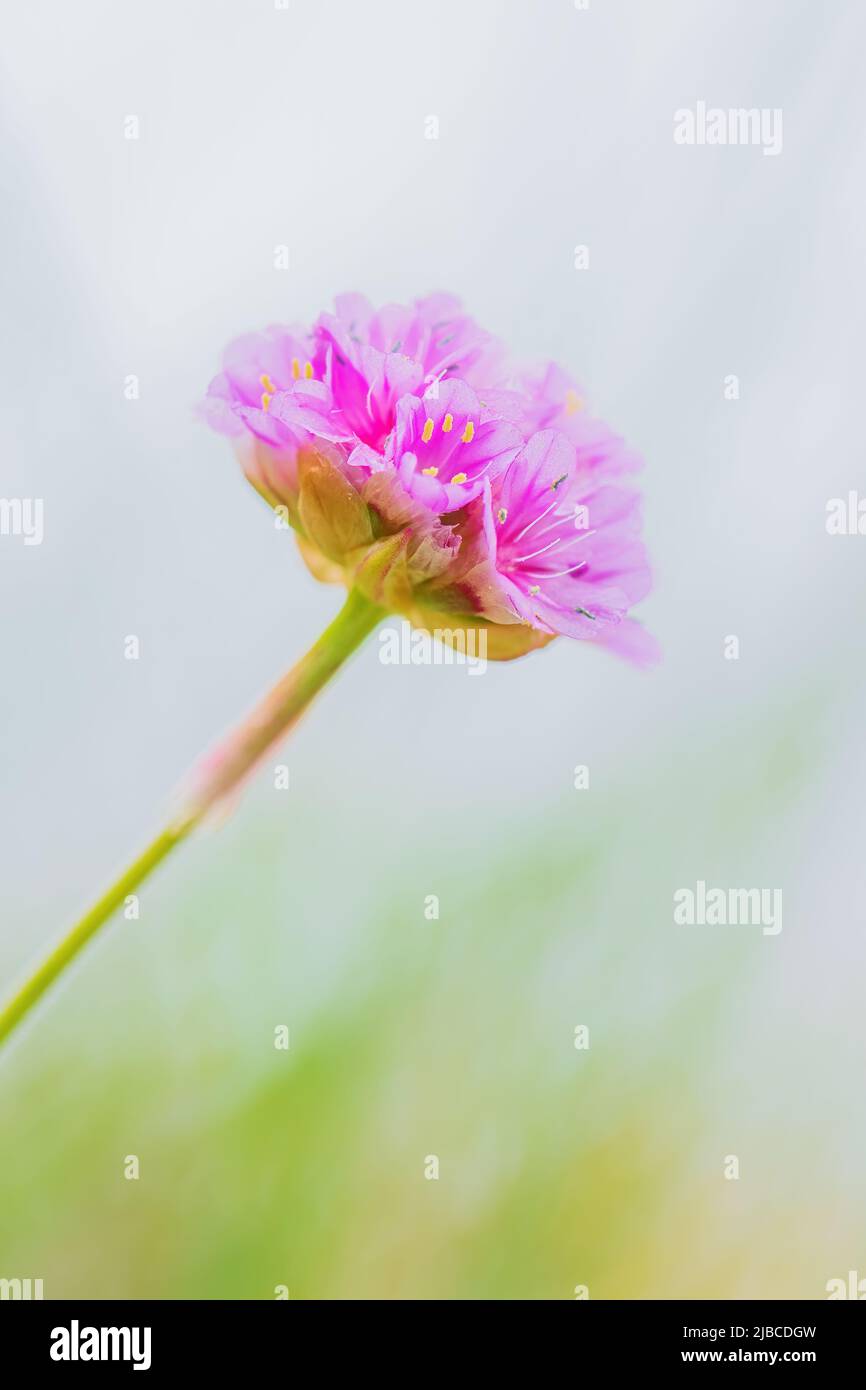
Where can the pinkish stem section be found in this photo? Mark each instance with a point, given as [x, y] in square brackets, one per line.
[226, 767]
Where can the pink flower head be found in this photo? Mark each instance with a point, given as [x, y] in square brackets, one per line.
[414, 467]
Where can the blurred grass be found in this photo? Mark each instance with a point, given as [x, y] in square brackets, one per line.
[411, 1037]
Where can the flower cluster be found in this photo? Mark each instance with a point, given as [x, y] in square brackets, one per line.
[417, 465]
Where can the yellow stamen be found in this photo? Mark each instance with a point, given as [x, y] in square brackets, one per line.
[267, 383]
[448, 424]
[427, 432]
[502, 514]
[459, 478]
[534, 589]
[468, 433]
[573, 402]
[296, 369]
[266, 400]
[430, 472]
[308, 370]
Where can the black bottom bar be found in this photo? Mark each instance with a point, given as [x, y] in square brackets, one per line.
[220, 1338]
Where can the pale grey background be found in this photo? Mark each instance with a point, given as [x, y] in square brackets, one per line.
[305, 126]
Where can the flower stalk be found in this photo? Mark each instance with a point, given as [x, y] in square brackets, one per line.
[216, 778]
[433, 478]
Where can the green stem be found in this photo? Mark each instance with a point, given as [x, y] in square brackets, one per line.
[218, 776]
[75, 940]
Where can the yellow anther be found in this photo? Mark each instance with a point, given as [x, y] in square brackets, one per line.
[534, 589]
[267, 383]
[448, 424]
[427, 432]
[266, 400]
[296, 369]
[459, 478]
[308, 370]
[430, 472]
[573, 402]
[469, 432]
[502, 515]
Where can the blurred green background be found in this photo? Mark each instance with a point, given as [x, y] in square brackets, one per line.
[454, 1037]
